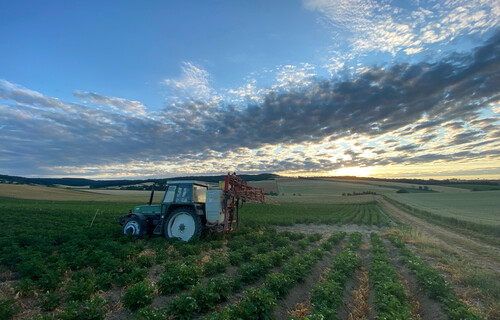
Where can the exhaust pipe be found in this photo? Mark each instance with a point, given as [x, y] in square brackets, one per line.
[152, 194]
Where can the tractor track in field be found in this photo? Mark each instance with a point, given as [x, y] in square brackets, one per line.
[482, 254]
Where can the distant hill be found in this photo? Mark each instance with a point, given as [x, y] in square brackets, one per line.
[474, 185]
[94, 184]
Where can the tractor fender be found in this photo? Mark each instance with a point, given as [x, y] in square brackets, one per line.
[124, 219]
[138, 215]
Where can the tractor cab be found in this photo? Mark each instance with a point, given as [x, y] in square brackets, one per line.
[185, 191]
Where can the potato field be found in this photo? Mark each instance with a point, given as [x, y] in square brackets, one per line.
[69, 260]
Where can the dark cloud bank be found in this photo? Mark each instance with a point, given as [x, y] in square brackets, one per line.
[38, 132]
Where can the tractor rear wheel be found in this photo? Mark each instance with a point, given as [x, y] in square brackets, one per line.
[134, 226]
[182, 223]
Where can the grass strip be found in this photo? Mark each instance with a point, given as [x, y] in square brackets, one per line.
[487, 233]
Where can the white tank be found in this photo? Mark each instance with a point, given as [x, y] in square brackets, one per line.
[213, 207]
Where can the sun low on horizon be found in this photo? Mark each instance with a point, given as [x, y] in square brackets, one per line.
[303, 88]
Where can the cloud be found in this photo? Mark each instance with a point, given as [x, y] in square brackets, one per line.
[407, 147]
[381, 27]
[294, 76]
[194, 82]
[117, 104]
[293, 128]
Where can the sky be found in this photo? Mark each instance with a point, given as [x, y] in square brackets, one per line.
[134, 89]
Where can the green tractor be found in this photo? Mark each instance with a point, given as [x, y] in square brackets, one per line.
[189, 207]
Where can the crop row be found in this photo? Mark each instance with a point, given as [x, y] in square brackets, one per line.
[434, 284]
[260, 252]
[258, 303]
[327, 296]
[391, 299]
[290, 214]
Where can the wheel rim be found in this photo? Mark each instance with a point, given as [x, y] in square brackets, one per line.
[181, 226]
[132, 227]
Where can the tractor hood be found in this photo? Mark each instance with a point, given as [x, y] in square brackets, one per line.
[148, 210]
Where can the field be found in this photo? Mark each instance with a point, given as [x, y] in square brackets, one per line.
[481, 207]
[313, 254]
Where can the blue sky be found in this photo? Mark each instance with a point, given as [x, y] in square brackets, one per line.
[125, 89]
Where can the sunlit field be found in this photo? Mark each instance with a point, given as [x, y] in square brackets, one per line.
[69, 260]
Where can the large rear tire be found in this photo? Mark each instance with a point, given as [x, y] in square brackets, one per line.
[135, 226]
[183, 224]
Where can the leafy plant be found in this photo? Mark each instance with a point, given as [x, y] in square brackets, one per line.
[81, 289]
[257, 304]
[138, 296]
[279, 284]
[50, 301]
[183, 306]
[315, 237]
[178, 277]
[154, 314]
[87, 310]
[7, 311]
[215, 266]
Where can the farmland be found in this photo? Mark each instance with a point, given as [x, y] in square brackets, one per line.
[316, 255]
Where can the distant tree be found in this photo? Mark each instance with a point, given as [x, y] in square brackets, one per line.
[402, 191]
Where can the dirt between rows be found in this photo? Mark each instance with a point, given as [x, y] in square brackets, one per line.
[469, 247]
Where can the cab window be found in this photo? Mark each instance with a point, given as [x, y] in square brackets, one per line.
[184, 193]
[169, 195]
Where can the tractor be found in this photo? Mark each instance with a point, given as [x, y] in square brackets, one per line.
[189, 207]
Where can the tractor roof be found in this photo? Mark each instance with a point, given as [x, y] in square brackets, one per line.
[196, 182]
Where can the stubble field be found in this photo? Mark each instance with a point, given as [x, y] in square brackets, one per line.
[317, 255]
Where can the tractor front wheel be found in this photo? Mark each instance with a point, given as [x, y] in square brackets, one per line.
[135, 227]
[182, 223]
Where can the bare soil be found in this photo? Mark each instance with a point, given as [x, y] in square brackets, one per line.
[481, 253]
[357, 306]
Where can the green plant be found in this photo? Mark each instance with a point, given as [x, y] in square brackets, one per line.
[257, 304]
[302, 244]
[315, 237]
[183, 306]
[154, 314]
[7, 311]
[215, 266]
[93, 309]
[81, 289]
[138, 296]
[178, 277]
[50, 301]
[279, 284]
